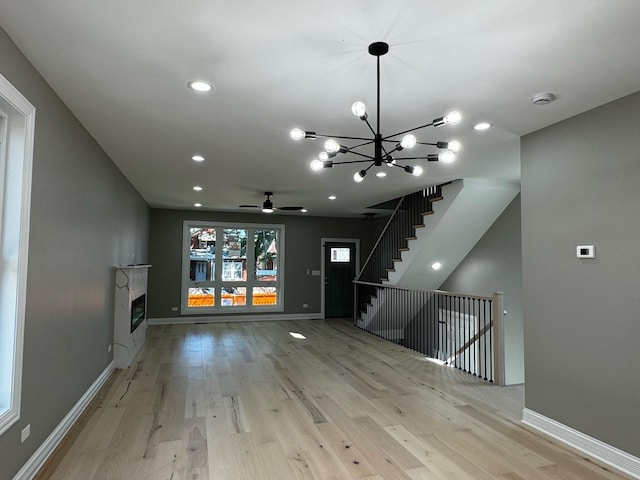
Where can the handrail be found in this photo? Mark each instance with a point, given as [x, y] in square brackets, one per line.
[384, 230]
[410, 289]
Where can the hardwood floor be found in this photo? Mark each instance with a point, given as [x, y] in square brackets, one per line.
[249, 401]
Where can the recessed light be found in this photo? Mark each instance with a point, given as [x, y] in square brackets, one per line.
[197, 158]
[332, 197]
[304, 210]
[381, 174]
[436, 266]
[197, 188]
[200, 86]
[197, 205]
[482, 126]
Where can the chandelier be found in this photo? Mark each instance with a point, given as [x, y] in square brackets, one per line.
[385, 148]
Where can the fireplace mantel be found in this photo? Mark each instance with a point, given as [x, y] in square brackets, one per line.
[131, 284]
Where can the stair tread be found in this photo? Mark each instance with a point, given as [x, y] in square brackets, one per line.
[410, 238]
[419, 226]
[429, 212]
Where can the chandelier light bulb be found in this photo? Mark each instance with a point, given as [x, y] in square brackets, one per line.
[447, 157]
[359, 110]
[359, 176]
[453, 118]
[297, 134]
[323, 156]
[331, 146]
[455, 146]
[408, 141]
[316, 165]
[417, 171]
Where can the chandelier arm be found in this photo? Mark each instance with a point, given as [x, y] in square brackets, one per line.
[321, 135]
[345, 162]
[412, 158]
[430, 124]
[368, 142]
[361, 155]
[369, 125]
[396, 165]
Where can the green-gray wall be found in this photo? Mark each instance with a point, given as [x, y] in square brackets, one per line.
[580, 185]
[495, 264]
[302, 253]
[85, 218]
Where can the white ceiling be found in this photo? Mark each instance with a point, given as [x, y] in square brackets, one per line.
[122, 67]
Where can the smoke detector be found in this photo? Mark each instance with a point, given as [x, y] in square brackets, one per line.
[543, 98]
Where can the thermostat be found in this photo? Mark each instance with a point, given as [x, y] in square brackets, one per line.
[586, 251]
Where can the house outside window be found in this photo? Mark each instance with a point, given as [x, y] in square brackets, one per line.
[232, 267]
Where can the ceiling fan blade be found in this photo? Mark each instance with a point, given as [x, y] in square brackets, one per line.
[292, 209]
[248, 206]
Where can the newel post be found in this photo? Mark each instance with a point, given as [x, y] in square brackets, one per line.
[498, 338]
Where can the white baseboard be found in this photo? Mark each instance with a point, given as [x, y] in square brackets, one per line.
[605, 453]
[235, 318]
[38, 459]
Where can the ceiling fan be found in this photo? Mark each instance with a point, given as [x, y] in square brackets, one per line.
[267, 205]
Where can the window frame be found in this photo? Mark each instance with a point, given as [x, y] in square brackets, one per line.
[218, 282]
[15, 206]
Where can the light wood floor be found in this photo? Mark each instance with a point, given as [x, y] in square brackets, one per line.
[248, 401]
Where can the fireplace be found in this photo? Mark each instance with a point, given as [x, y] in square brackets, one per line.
[138, 311]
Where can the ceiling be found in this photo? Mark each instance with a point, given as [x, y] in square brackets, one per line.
[122, 67]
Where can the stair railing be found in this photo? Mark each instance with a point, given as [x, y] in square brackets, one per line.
[459, 330]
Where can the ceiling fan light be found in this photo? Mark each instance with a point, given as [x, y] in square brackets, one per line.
[408, 141]
[359, 110]
[331, 146]
[267, 206]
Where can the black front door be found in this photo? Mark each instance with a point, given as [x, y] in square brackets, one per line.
[340, 271]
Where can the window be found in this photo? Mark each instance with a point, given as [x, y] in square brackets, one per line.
[17, 123]
[232, 268]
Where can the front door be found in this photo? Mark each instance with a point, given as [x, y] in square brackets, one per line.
[340, 271]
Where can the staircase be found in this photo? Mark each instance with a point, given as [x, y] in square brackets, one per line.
[396, 291]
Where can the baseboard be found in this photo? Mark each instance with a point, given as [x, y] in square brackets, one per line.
[38, 459]
[235, 318]
[605, 453]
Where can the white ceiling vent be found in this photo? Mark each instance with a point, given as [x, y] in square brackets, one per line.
[543, 98]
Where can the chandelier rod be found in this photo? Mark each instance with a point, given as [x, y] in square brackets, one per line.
[378, 92]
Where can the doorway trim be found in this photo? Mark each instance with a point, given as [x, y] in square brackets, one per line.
[323, 240]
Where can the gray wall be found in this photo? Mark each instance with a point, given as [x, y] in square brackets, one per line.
[85, 218]
[580, 185]
[302, 252]
[495, 264]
